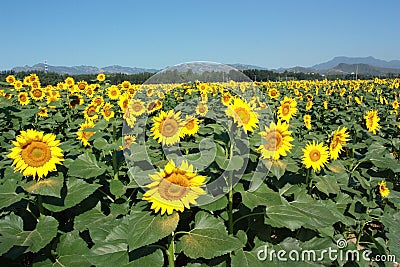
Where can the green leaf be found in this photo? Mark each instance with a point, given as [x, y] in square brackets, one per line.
[263, 196]
[156, 258]
[144, 228]
[45, 187]
[72, 251]
[327, 184]
[208, 239]
[117, 188]
[8, 193]
[11, 229]
[245, 259]
[77, 191]
[109, 254]
[86, 166]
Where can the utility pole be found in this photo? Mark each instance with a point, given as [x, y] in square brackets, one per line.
[356, 71]
[46, 69]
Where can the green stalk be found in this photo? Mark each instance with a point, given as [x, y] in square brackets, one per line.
[40, 205]
[114, 156]
[230, 195]
[171, 251]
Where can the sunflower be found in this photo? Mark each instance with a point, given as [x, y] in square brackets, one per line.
[242, 114]
[307, 121]
[309, 97]
[101, 77]
[124, 101]
[153, 106]
[202, 109]
[226, 98]
[315, 155]
[287, 109]
[326, 104]
[273, 93]
[23, 98]
[98, 101]
[69, 81]
[37, 94]
[33, 77]
[113, 92]
[191, 126]
[383, 190]
[10, 79]
[107, 112]
[372, 121]
[43, 112]
[395, 103]
[18, 85]
[136, 107]
[53, 96]
[82, 85]
[278, 138]
[90, 91]
[339, 139]
[35, 153]
[174, 188]
[90, 112]
[309, 105]
[167, 127]
[84, 136]
[125, 85]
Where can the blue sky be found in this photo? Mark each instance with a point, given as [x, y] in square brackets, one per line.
[157, 34]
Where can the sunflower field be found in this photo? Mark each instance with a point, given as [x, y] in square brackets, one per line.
[198, 173]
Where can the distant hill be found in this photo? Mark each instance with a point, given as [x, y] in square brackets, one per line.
[364, 69]
[239, 66]
[83, 69]
[393, 64]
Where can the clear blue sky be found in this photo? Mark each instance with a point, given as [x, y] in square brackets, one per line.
[156, 34]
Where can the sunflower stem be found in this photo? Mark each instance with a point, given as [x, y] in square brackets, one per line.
[230, 194]
[171, 251]
[114, 155]
[40, 205]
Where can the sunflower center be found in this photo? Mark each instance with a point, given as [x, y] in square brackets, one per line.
[202, 109]
[174, 187]
[37, 93]
[169, 127]
[285, 109]
[91, 111]
[22, 98]
[226, 98]
[107, 112]
[189, 125]
[315, 155]
[274, 140]
[243, 115]
[36, 154]
[137, 107]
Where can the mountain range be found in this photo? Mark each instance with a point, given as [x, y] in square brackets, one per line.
[336, 66]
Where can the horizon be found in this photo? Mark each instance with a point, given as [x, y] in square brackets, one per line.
[135, 34]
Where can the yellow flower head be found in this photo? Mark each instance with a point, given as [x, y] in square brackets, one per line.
[339, 139]
[167, 127]
[174, 188]
[383, 190]
[277, 140]
[35, 153]
[287, 109]
[315, 155]
[372, 121]
[242, 114]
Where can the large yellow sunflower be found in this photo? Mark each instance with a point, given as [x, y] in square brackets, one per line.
[153, 105]
[90, 112]
[372, 121]
[23, 98]
[278, 140]
[226, 98]
[136, 107]
[339, 139]
[84, 136]
[37, 94]
[242, 114]
[273, 93]
[113, 92]
[10, 79]
[167, 127]
[35, 153]
[174, 188]
[101, 77]
[315, 155]
[191, 126]
[287, 109]
[107, 112]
